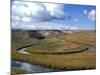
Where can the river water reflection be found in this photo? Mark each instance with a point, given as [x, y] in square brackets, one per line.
[31, 67]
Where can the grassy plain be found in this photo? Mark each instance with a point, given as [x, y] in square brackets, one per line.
[55, 50]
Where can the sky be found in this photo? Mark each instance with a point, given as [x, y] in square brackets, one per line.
[34, 16]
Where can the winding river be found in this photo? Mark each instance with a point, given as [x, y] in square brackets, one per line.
[37, 68]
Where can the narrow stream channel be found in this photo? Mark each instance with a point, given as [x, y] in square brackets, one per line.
[23, 51]
[36, 68]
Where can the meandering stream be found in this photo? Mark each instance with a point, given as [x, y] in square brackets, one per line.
[37, 68]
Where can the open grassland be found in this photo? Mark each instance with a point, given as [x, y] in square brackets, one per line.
[64, 61]
[57, 51]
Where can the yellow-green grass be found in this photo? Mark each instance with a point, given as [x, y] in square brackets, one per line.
[75, 61]
[63, 44]
[83, 37]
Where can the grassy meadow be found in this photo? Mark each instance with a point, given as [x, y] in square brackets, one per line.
[65, 52]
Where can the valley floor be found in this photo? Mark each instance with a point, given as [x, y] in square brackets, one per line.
[65, 52]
